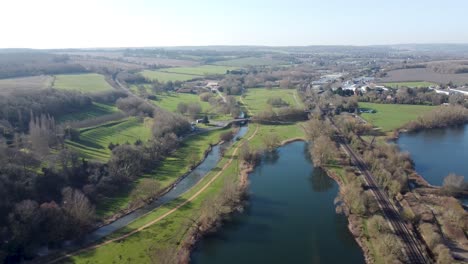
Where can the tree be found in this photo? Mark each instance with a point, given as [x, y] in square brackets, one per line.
[194, 109]
[125, 163]
[323, 151]
[227, 136]
[453, 183]
[23, 223]
[78, 208]
[271, 141]
[182, 107]
[316, 128]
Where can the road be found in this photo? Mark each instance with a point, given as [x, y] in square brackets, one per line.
[414, 252]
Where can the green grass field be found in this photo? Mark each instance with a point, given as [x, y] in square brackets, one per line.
[167, 76]
[168, 232]
[284, 132]
[256, 98]
[250, 61]
[200, 70]
[94, 141]
[408, 84]
[86, 83]
[170, 170]
[393, 116]
[171, 100]
[96, 110]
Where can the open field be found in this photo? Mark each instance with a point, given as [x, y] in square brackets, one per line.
[424, 74]
[170, 170]
[283, 132]
[250, 61]
[408, 84]
[86, 83]
[170, 102]
[167, 76]
[25, 84]
[109, 63]
[256, 98]
[96, 110]
[200, 70]
[166, 227]
[393, 116]
[94, 141]
[162, 61]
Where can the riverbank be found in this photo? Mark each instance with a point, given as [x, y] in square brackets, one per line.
[204, 145]
[196, 235]
[355, 225]
[290, 213]
[160, 231]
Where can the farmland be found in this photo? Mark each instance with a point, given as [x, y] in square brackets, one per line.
[409, 84]
[96, 110]
[25, 83]
[256, 98]
[200, 70]
[94, 141]
[86, 83]
[389, 117]
[167, 76]
[250, 61]
[425, 74]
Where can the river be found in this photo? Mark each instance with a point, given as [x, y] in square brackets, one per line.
[290, 218]
[438, 152]
[187, 182]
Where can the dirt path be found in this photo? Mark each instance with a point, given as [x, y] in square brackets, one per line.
[162, 216]
[295, 98]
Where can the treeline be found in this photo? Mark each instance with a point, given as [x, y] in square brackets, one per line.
[48, 193]
[443, 116]
[16, 108]
[404, 95]
[35, 63]
[283, 114]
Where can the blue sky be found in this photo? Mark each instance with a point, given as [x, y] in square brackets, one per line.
[137, 23]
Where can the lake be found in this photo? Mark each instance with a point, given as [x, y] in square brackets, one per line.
[438, 152]
[290, 218]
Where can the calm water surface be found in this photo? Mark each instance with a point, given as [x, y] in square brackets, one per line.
[290, 218]
[438, 152]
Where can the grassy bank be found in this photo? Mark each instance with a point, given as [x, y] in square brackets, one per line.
[94, 141]
[169, 171]
[389, 117]
[165, 227]
[95, 110]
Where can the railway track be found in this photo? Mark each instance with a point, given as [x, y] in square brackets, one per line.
[414, 252]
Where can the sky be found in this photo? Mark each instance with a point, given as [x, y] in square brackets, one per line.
[149, 23]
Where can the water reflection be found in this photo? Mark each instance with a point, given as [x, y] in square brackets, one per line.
[438, 152]
[271, 157]
[320, 181]
[290, 218]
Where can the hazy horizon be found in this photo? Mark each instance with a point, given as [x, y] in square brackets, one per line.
[54, 24]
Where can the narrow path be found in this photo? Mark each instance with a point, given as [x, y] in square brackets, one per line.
[295, 98]
[162, 216]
